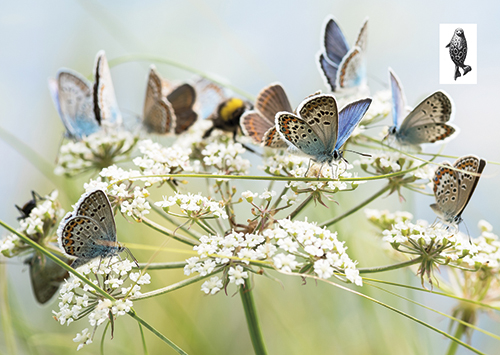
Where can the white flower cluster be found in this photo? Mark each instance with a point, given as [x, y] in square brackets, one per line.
[78, 299]
[382, 162]
[282, 163]
[385, 219]
[290, 246]
[37, 226]
[308, 241]
[158, 160]
[95, 151]
[193, 138]
[131, 198]
[226, 158]
[193, 206]
[420, 238]
[488, 249]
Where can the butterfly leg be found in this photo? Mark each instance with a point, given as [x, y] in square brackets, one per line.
[308, 167]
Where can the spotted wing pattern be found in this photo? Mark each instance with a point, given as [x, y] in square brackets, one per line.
[299, 134]
[72, 96]
[158, 114]
[105, 104]
[453, 189]
[321, 115]
[96, 205]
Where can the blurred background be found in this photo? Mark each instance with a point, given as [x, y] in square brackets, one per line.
[249, 44]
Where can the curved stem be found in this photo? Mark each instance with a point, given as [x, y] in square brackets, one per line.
[171, 220]
[252, 319]
[168, 232]
[153, 58]
[356, 208]
[301, 206]
[58, 261]
[173, 287]
[390, 267]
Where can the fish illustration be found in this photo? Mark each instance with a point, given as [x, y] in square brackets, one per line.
[458, 52]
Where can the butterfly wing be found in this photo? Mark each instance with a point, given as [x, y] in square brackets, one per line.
[158, 114]
[467, 182]
[335, 44]
[398, 99]
[299, 134]
[272, 139]
[254, 125]
[352, 70]
[46, 276]
[446, 192]
[271, 100]
[209, 97]
[72, 96]
[329, 71]
[96, 206]
[84, 238]
[349, 118]
[320, 112]
[105, 104]
[426, 123]
[182, 99]
[362, 36]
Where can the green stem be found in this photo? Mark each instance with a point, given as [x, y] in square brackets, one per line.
[458, 335]
[173, 287]
[252, 318]
[5, 315]
[301, 206]
[173, 221]
[356, 208]
[162, 266]
[58, 261]
[168, 232]
[390, 267]
[156, 332]
[143, 338]
[268, 178]
[153, 58]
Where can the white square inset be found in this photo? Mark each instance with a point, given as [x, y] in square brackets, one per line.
[446, 66]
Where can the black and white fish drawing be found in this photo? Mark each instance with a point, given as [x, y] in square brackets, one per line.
[458, 52]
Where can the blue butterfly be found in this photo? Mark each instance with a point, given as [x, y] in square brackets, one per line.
[343, 68]
[319, 130]
[84, 106]
[426, 123]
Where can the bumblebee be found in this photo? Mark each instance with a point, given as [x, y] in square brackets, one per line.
[227, 116]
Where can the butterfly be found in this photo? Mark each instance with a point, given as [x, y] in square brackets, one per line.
[259, 124]
[453, 189]
[89, 231]
[217, 105]
[342, 68]
[426, 123]
[168, 109]
[46, 276]
[319, 130]
[29, 206]
[83, 106]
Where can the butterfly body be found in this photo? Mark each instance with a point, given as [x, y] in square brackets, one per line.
[343, 68]
[428, 122]
[259, 124]
[89, 232]
[319, 130]
[454, 186]
[83, 106]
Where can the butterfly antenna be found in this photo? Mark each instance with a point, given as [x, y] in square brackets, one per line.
[132, 257]
[353, 151]
[468, 233]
